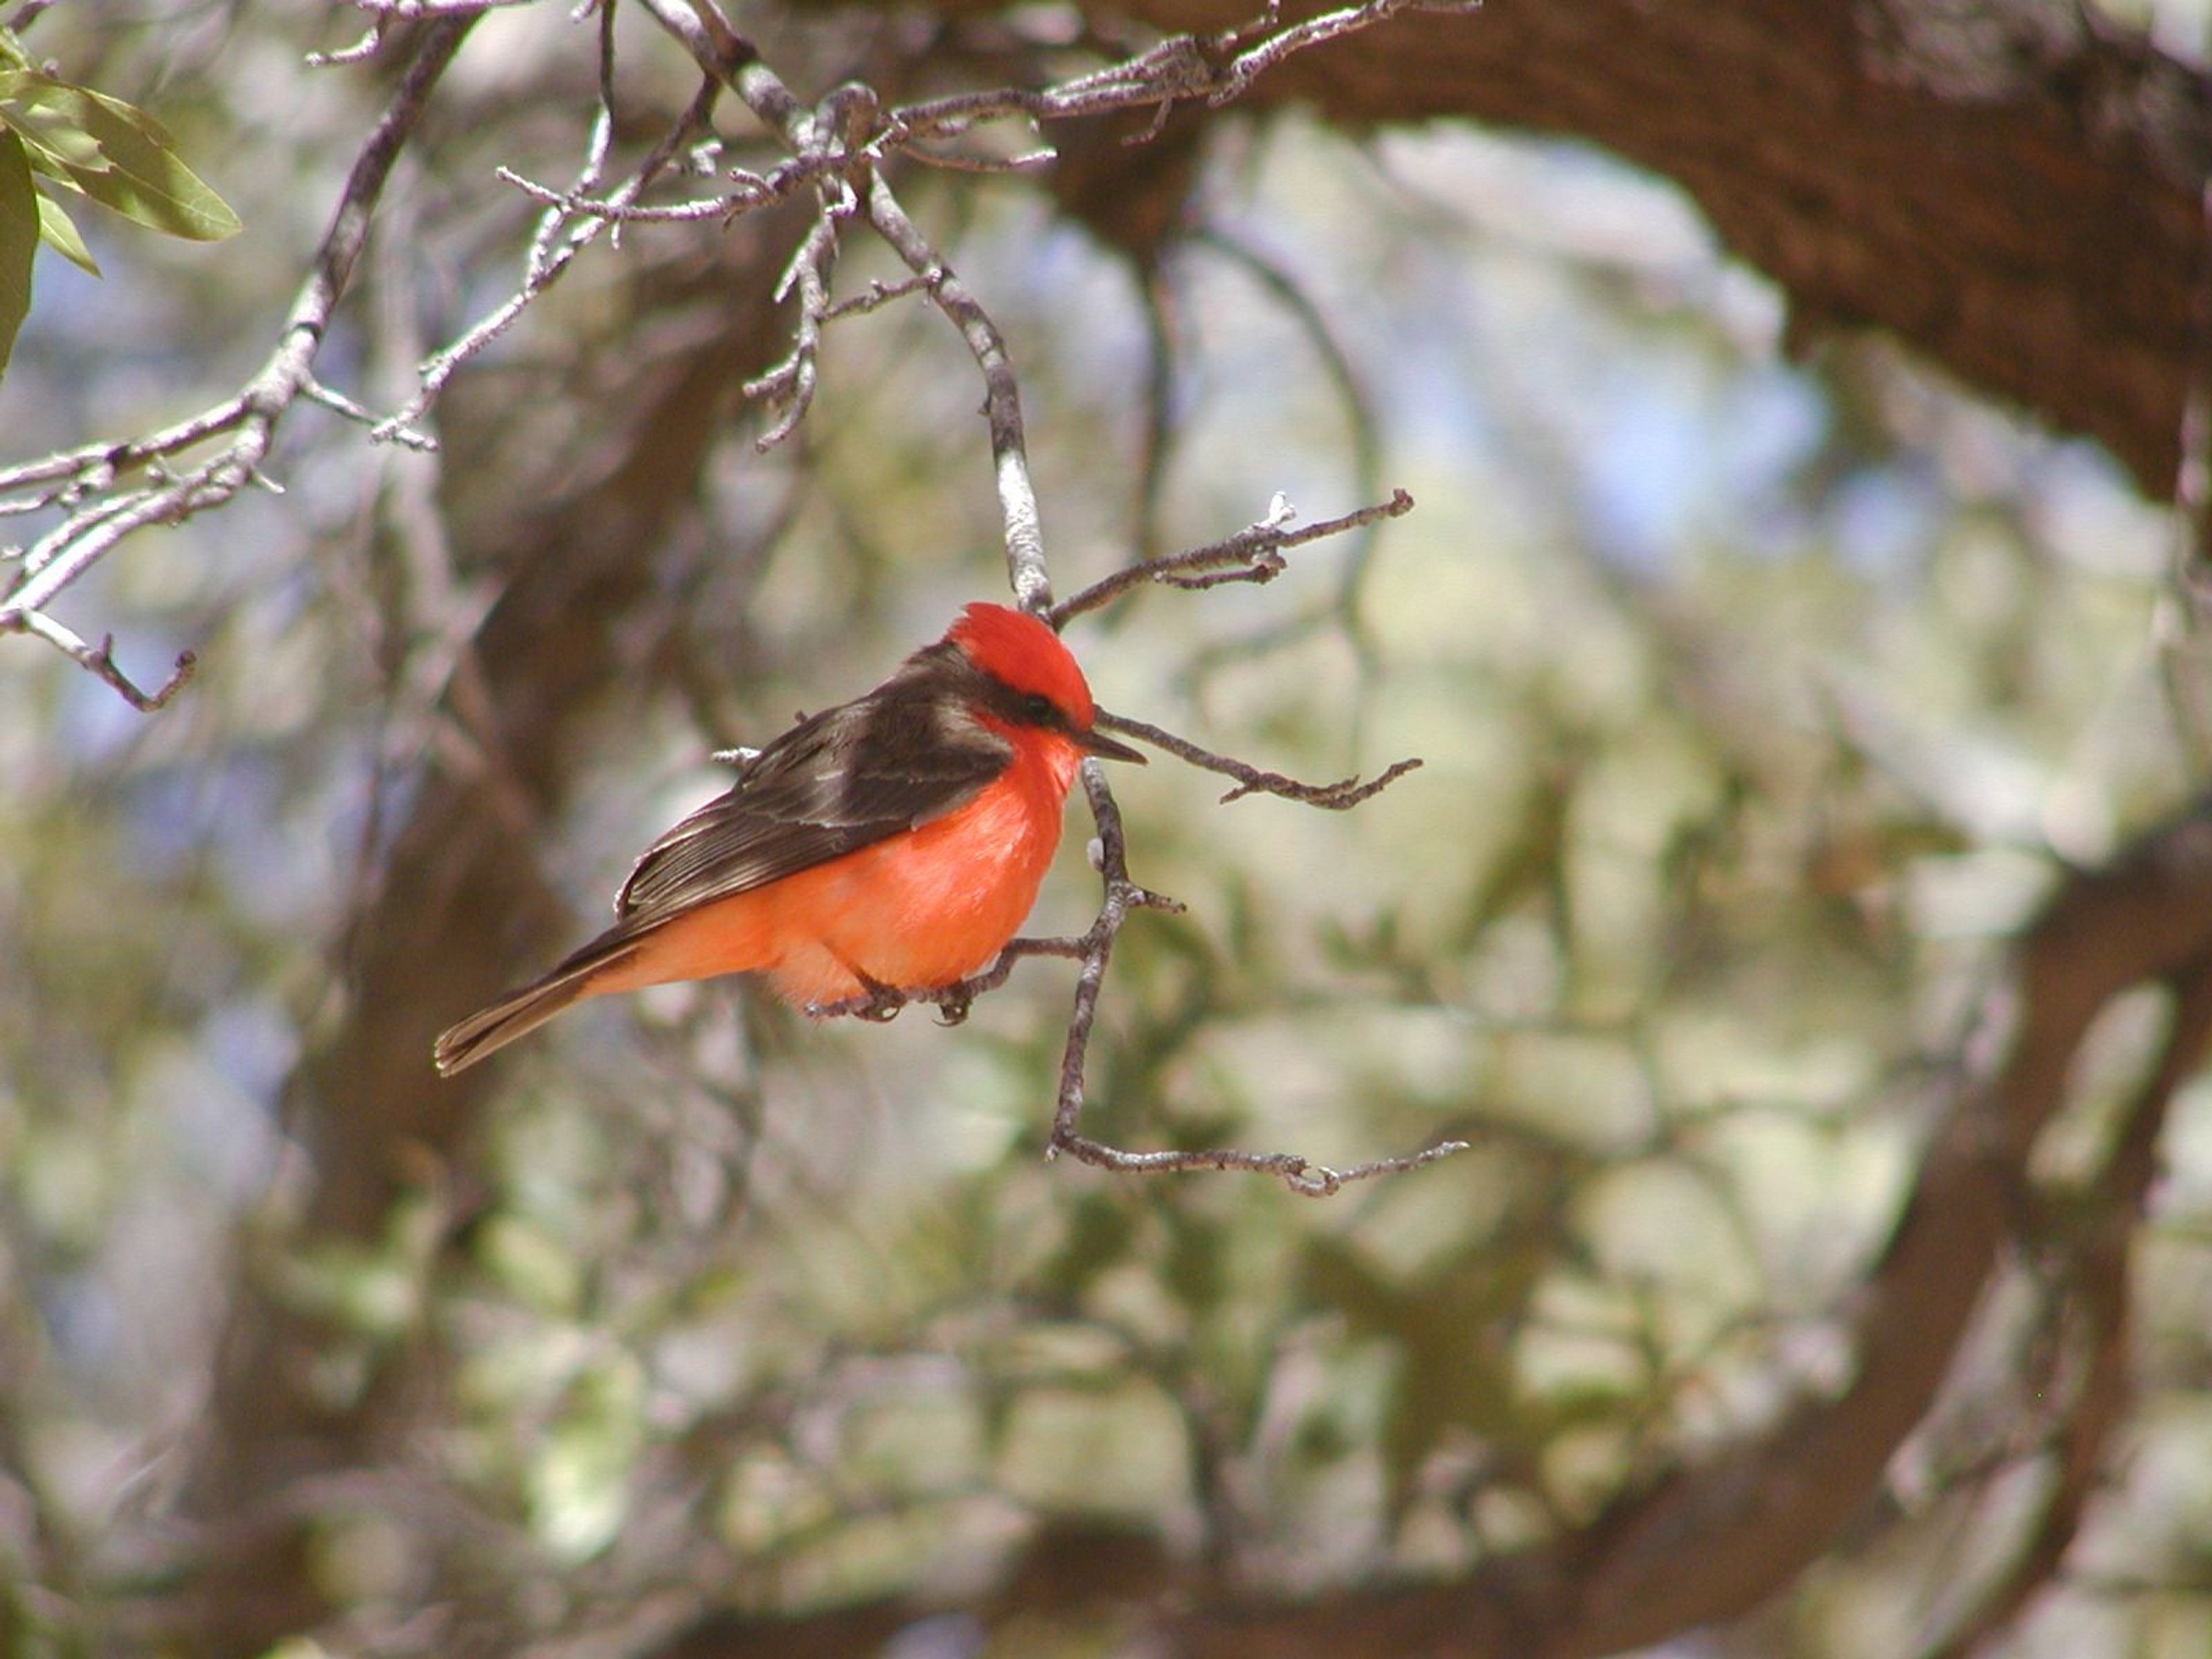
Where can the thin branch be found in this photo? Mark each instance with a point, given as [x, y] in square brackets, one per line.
[1250, 65]
[809, 271]
[101, 660]
[1175, 68]
[1301, 1175]
[752, 192]
[339, 404]
[879, 294]
[559, 237]
[26, 14]
[954, 1000]
[1336, 797]
[1305, 312]
[1218, 68]
[371, 42]
[1254, 554]
[1028, 161]
[731, 60]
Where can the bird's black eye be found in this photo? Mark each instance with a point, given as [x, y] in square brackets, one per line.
[1037, 709]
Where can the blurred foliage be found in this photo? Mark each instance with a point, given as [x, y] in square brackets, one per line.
[1758, 702]
[58, 136]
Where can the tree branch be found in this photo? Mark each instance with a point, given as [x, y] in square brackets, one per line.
[1254, 554]
[101, 660]
[1336, 797]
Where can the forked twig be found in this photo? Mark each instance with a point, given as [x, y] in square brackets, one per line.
[1254, 555]
[1301, 1175]
[100, 660]
[1344, 794]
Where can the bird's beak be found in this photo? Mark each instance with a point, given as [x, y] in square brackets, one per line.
[1097, 742]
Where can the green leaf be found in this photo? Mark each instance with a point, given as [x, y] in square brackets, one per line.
[19, 239]
[59, 232]
[119, 155]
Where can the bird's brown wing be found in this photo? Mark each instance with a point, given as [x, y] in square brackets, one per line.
[903, 755]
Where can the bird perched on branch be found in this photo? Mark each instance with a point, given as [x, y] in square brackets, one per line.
[897, 841]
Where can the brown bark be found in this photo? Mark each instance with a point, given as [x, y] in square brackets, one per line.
[2010, 191]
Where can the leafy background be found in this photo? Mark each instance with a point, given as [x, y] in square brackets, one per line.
[1761, 701]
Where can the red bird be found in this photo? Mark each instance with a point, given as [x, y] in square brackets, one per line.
[898, 840]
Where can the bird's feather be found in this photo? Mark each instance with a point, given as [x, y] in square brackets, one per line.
[907, 752]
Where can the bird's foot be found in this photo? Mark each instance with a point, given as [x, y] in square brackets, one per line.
[884, 1001]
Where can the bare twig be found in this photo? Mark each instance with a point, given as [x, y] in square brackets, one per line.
[879, 294]
[1365, 430]
[1299, 1174]
[370, 42]
[1275, 44]
[406, 436]
[955, 999]
[1254, 554]
[101, 660]
[809, 271]
[1027, 161]
[562, 233]
[25, 15]
[1218, 68]
[753, 190]
[1252, 780]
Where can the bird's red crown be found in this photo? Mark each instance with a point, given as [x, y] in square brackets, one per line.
[1016, 647]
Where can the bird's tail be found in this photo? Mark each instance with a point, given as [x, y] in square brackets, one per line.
[524, 1010]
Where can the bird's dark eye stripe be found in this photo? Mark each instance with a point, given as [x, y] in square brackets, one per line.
[1022, 707]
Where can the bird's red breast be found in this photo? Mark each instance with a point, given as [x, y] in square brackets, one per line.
[920, 909]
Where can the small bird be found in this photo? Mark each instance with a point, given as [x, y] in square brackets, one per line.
[897, 841]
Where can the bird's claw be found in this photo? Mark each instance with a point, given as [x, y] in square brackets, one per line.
[884, 1001]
